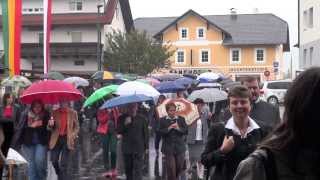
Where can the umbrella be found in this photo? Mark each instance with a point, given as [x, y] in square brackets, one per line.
[167, 77]
[53, 76]
[77, 81]
[209, 76]
[16, 81]
[14, 157]
[100, 94]
[50, 92]
[169, 87]
[135, 87]
[150, 81]
[208, 95]
[209, 85]
[102, 75]
[185, 109]
[124, 100]
[186, 81]
[230, 85]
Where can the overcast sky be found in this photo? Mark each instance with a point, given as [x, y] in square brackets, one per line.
[285, 9]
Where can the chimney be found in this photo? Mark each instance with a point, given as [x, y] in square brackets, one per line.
[233, 13]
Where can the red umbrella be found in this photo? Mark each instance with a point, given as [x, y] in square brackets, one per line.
[50, 92]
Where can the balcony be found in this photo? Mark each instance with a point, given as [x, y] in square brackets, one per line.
[34, 50]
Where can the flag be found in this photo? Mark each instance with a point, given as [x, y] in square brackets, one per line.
[11, 25]
[46, 34]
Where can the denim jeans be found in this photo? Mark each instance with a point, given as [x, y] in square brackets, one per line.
[61, 167]
[36, 155]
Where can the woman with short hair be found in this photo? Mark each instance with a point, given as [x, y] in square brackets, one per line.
[228, 144]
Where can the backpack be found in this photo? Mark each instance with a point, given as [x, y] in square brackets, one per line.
[268, 163]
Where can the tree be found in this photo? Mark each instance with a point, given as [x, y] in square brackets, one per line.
[135, 52]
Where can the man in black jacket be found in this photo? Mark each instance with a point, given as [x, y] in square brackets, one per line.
[173, 130]
[134, 131]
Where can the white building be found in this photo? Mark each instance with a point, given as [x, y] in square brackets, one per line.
[74, 35]
[309, 33]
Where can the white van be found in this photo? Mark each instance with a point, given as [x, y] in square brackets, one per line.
[274, 91]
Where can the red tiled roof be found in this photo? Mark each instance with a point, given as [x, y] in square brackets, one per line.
[72, 18]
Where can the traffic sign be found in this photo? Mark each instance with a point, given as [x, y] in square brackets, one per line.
[266, 73]
[275, 64]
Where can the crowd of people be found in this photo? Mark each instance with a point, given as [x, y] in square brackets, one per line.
[244, 140]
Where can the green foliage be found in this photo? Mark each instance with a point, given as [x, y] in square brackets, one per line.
[135, 52]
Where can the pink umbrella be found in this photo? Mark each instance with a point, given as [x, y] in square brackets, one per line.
[153, 82]
[50, 92]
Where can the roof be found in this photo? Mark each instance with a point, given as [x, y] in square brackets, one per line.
[244, 29]
[190, 12]
[81, 18]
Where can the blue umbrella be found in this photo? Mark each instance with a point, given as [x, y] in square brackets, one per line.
[169, 87]
[123, 100]
[186, 81]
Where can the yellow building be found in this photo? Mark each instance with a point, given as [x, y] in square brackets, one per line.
[236, 45]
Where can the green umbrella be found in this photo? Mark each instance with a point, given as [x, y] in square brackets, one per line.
[99, 94]
[53, 75]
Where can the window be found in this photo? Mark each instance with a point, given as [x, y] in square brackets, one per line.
[235, 55]
[180, 56]
[79, 63]
[305, 18]
[279, 85]
[201, 33]
[260, 55]
[204, 56]
[76, 37]
[311, 56]
[40, 37]
[75, 5]
[183, 33]
[310, 22]
[304, 57]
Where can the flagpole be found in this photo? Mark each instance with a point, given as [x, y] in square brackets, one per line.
[46, 34]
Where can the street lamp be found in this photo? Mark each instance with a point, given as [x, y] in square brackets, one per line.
[99, 58]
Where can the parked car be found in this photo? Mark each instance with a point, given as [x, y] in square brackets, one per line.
[274, 91]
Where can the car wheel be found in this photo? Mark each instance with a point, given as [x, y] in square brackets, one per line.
[273, 100]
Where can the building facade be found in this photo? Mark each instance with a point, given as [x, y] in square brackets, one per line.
[74, 34]
[309, 33]
[236, 45]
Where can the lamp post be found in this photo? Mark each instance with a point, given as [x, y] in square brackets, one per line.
[99, 39]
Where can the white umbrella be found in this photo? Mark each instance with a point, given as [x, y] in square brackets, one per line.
[135, 87]
[14, 157]
[77, 81]
[209, 85]
[208, 95]
[209, 76]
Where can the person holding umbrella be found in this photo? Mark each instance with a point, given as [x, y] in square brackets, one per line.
[64, 131]
[34, 138]
[133, 129]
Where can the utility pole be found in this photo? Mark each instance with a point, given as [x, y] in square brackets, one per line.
[99, 62]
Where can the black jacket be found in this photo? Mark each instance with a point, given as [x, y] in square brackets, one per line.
[134, 135]
[226, 164]
[173, 140]
[28, 133]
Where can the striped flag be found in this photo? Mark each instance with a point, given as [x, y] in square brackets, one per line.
[47, 6]
[11, 28]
